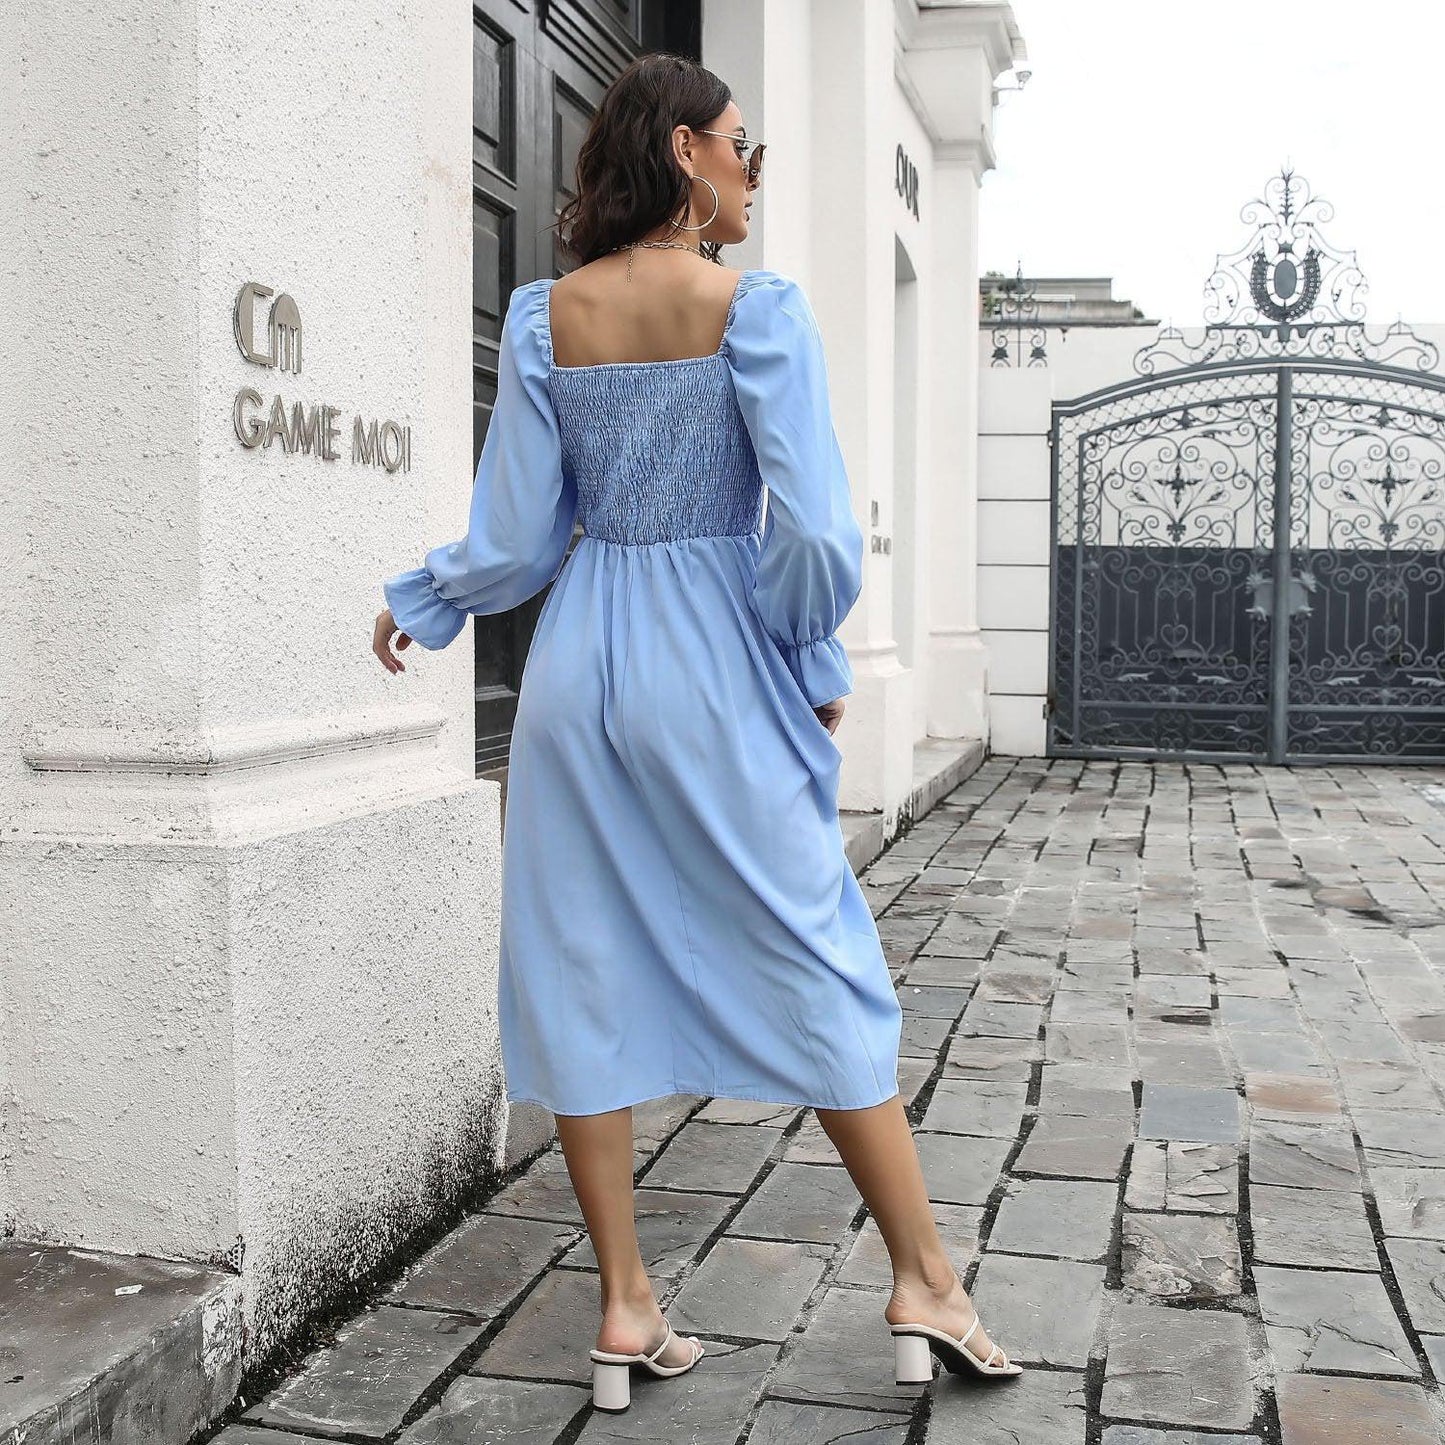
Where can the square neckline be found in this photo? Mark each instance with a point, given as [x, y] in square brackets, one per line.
[553, 366]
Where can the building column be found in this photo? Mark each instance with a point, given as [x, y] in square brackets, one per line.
[851, 265]
[250, 883]
[957, 704]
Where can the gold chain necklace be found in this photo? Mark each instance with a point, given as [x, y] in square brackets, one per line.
[631, 246]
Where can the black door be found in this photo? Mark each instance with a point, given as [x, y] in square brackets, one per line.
[538, 71]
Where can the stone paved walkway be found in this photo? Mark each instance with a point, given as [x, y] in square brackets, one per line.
[1174, 1048]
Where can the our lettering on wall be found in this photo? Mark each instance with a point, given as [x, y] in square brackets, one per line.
[905, 179]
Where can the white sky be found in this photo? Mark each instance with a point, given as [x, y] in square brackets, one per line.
[1147, 124]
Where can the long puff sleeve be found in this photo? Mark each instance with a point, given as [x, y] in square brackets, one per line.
[522, 507]
[810, 568]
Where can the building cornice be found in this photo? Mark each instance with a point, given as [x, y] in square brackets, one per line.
[987, 25]
[922, 36]
[977, 154]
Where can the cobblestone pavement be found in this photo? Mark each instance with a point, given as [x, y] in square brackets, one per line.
[1174, 1051]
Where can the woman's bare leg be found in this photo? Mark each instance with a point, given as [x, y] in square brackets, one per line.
[877, 1147]
[598, 1150]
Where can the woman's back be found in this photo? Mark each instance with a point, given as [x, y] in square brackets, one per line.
[657, 450]
[671, 309]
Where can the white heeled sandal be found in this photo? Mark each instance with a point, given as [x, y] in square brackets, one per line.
[612, 1374]
[915, 1344]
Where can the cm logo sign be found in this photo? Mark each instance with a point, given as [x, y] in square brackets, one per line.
[283, 328]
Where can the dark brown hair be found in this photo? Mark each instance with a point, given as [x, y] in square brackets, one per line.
[628, 180]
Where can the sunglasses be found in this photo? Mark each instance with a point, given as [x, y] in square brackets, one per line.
[750, 152]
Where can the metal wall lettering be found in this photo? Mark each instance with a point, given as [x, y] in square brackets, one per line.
[879, 541]
[905, 179]
[311, 429]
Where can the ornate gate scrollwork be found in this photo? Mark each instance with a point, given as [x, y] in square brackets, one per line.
[1286, 443]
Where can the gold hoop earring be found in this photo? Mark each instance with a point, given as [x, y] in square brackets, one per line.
[716, 205]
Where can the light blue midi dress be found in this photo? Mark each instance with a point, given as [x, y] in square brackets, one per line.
[678, 913]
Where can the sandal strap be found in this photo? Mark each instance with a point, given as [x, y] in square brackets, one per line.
[964, 1338]
[666, 1340]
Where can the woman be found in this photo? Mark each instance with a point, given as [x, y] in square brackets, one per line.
[678, 913]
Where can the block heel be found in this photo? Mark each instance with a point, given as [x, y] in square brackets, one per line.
[611, 1386]
[912, 1360]
[910, 1338]
[612, 1371]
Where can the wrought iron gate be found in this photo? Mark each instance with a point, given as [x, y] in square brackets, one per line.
[1285, 444]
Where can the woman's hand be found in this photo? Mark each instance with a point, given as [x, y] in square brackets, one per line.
[830, 714]
[381, 641]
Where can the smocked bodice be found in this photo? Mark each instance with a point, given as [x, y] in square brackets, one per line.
[657, 450]
[645, 454]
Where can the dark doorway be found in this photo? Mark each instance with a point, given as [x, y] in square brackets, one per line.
[538, 71]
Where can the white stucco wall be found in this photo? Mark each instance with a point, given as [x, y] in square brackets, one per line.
[15, 661]
[369, 1087]
[250, 887]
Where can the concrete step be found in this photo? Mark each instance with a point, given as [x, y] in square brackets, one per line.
[112, 1349]
[939, 764]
